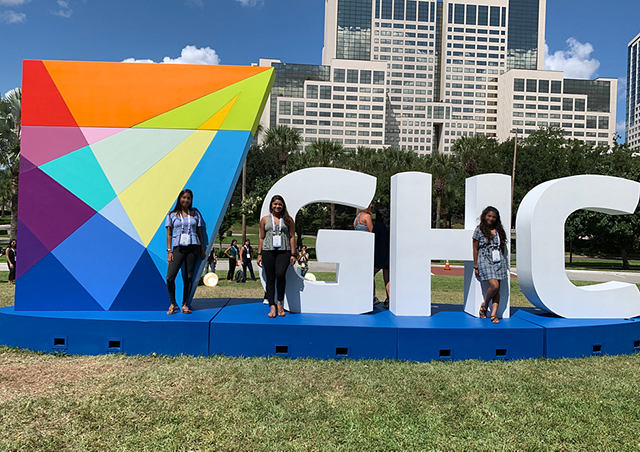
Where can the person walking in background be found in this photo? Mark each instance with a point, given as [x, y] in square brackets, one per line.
[232, 253]
[184, 245]
[381, 253]
[303, 260]
[363, 220]
[275, 251]
[10, 253]
[490, 258]
[247, 255]
[212, 260]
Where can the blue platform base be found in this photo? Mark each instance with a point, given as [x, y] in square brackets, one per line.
[242, 328]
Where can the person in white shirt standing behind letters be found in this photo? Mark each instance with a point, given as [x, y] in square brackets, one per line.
[490, 258]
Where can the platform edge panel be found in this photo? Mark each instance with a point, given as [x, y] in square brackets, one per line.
[578, 338]
[245, 330]
[456, 336]
[94, 335]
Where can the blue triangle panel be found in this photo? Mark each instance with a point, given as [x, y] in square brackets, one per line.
[162, 265]
[101, 257]
[115, 213]
[144, 290]
[48, 286]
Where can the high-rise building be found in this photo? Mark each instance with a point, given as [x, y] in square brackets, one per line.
[633, 94]
[584, 109]
[418, 75]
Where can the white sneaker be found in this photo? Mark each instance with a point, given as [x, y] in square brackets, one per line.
[265, 301]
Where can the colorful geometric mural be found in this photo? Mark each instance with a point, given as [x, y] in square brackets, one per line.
[106, 148]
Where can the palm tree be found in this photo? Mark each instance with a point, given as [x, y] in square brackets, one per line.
[442, 167]
[364, 160]
[284, 140]
[325, 154]
[10, 128]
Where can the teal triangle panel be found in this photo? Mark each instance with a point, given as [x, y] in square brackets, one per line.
[80, 173]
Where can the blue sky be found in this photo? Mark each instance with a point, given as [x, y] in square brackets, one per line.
[242, 31]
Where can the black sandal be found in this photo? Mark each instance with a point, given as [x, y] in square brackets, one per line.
[494, 319]
[483, 312]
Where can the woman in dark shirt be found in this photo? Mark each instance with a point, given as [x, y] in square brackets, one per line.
[232, 253]
[10, 253]
[381, 253]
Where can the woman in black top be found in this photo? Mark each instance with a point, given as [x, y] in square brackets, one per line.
[11, 260]
[381, 253]
[232, 253]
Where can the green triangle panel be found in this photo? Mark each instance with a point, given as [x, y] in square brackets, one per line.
[126, 156]
[80, 173]
[244, 115]
[246, 112]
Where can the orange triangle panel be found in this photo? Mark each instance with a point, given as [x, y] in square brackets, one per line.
[123, 95]
[42, 104]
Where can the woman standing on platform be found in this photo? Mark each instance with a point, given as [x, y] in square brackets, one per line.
[490, 258]
[184, 245]
[276, 251]
[10, 253]
[232, 253]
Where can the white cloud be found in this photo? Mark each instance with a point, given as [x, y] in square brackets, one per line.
[13, 2]
[575, 61]
[189, 55]
[64, 9]
[250, 3]
[621, 127]
[12, 17]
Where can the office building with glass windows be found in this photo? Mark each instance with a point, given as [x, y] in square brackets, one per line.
[633, 94]
[411, 74]
[584, 109]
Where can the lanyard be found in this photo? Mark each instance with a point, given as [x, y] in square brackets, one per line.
[188, 221]
[273, 223]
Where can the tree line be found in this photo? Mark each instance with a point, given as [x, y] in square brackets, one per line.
[10, 132]
[542, 156]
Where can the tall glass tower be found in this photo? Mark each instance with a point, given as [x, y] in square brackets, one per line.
[633, 94]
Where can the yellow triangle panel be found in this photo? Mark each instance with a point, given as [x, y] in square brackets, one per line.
[165, 180]
[252, 94]
[216, 120]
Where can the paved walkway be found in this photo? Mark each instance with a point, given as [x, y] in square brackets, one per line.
[574, 275]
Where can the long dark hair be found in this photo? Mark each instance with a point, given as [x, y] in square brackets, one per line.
[486, 229]
[285, 214]
[178, 209]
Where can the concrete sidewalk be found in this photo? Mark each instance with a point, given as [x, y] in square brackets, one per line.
[573, 275]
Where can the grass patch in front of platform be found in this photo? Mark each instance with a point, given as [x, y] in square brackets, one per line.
[55, 403]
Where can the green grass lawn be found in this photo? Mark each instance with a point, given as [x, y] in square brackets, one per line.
[153, 403]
